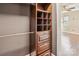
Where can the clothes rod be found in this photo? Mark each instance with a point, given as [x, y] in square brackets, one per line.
[16, 34]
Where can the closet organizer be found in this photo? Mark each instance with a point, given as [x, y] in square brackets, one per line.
[41, 25]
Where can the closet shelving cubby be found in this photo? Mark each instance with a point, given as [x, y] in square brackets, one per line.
[42, 20]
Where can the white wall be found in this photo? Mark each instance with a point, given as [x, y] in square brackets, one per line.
[58, 10]
[73, 24]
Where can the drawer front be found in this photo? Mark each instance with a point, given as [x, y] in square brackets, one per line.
[43, 35]
[46, 53]
[41, 43]
[43, 48]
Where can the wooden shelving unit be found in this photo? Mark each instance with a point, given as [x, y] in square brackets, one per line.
[41, 24]
[43, 20]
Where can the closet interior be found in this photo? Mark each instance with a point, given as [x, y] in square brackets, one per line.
[41, 24]
[26, 29]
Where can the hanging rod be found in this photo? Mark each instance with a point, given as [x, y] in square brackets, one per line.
[16, 34]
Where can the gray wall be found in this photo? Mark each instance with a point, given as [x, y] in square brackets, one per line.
[54, 30]
[14, 18]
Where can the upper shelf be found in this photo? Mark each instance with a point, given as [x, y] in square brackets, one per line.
[44, 7]
[43, 11]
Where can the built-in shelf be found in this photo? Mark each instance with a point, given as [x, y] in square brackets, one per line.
[42, 26]
[39, 10]
[43, 20]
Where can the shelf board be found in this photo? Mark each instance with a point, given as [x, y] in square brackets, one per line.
[43, 24]
[39, 24]
[42, 31]
[43, 11]
[49, 24]
[45, 18]
[39, 17]
[49, 18]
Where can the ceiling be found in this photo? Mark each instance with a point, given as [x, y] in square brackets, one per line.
[69, 7]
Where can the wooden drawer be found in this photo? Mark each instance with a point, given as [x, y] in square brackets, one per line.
[43, 32]
[43, 48]
[46, 53]
[43, 35]
[41, 43]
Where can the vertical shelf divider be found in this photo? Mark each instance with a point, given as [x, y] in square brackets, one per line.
[47, 21]
[42, 22]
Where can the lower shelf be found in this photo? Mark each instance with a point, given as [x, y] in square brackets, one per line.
[46, 53]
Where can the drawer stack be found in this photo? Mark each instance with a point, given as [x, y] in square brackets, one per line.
[43, 44]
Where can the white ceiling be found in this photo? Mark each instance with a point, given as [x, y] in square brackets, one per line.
[69, 5]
